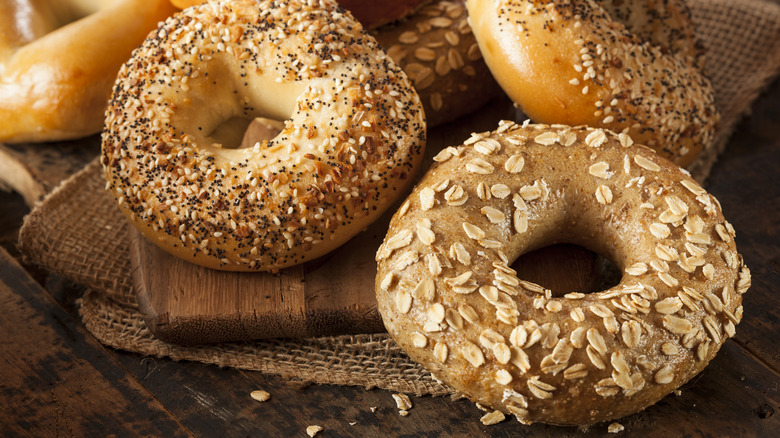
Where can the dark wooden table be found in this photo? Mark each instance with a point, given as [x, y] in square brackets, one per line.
[57, 380]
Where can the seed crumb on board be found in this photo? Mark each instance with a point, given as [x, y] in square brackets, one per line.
[260, 395]
[492, 418]
[615, 428]
[402, 401]
[313, 430]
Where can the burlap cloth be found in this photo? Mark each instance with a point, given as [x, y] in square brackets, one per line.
[78, 232]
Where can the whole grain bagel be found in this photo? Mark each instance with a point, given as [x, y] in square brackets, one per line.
[377, 13]
[624, 66]
[449, 297]
[59, 58]
[353, 135]
[437, 49]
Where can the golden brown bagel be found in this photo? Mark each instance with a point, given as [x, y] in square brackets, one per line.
[58, 60]
[571, 62]
[449, 297]
[353, 136]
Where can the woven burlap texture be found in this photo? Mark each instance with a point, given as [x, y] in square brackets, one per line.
[79, 233]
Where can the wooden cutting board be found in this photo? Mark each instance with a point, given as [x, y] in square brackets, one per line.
[187, 304]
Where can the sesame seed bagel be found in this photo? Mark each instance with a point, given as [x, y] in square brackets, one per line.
[59, 59]
[449, 297]
[667, 24]
[436, 48]
[353, 136]
[576, 63]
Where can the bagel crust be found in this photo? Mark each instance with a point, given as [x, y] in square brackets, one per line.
[59, 59]
[437, 49]
[377, 13]
[576, 63]
[449, 297]
[353, 136]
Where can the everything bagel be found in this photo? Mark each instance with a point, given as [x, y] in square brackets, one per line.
[576, 63]
[353, 135]
[449, 297]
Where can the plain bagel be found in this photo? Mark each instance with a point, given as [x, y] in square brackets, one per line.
[58, 60]
[449, 297]
[573, 62]
[353, 135]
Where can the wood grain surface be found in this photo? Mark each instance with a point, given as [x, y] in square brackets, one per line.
[48, 356]
[187, 304]
[33, 170]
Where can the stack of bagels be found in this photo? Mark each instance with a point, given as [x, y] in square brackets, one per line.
[619, 105]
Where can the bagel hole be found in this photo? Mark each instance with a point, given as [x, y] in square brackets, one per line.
[243, 132]
[565, 268]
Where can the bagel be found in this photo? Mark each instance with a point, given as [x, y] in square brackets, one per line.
[433, 43]
[667, 24]
[436, 48]
[449, 297]
[353, 136]
[574, 63]
[58, 60]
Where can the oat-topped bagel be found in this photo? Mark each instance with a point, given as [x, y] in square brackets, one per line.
[353, 134]
[577, 63]
[437, 49]
[376, 13]
[449, 297]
